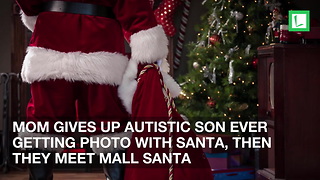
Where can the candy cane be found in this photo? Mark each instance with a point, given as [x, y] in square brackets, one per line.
[182, 33]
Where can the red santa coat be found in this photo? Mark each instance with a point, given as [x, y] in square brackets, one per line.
[94, 44]
[90, 49]
[65, 54]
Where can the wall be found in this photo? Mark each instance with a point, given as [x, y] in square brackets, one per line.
[312, 5]
[5, 43]
[196, 11]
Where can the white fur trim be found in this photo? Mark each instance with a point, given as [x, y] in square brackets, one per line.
[41, 144]
[148, 46]
[165, 66]
[97, 67]
[128, 85]
[184, 117]
[171, 84]
[28, 21]
[99, 150]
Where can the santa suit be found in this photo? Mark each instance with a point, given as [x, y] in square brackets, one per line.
[79, 59]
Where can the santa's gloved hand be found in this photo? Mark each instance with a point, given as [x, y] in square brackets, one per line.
[163, 65]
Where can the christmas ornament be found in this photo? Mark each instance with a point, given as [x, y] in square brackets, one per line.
[211, 103]
[201, 44]
[214, 39]
[243, 107]
[182, 84]
[250, 28]
[226, 57]
[238, 15]
[213, 76]
[195, 65]
[164, 15]
[215, 23]
[210, 76]
[247, 50]
[222, 6]
[231, 72]
[230, 52]
[221, 34]
[205, 71]
[182, 32]
[255, 62]
[234, 49]
[213, 19]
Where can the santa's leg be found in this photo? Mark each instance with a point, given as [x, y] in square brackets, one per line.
[43, 170]
[51, 101]
[114, 171]
[100, 103]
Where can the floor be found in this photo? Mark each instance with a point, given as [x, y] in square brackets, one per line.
[57, 175]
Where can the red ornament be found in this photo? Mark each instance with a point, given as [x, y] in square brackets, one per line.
[211, 103]
[255, 62]
[214, 39]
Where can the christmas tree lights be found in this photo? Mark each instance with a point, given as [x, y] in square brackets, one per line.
[221, 84]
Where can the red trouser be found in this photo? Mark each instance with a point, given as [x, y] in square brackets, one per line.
[61, 100]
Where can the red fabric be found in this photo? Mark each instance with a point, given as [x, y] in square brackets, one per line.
[149, 104]
[30, 8]
[164, 15]
[73, 32]
[134, 16]
[55, 100]
[66, 32]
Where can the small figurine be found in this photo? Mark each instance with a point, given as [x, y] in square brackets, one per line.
[275, 24]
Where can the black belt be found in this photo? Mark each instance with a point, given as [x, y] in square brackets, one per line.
[78, 8]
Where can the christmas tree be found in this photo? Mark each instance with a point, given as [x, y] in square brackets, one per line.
[221, 84]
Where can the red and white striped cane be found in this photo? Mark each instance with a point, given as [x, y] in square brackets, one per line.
[182, 33]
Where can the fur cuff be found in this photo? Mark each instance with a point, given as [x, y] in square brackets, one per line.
[128, 85]
[148, 46]
[171, 84]
[111, 149]
[41, 144]
[28, 21]
[97, 67]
